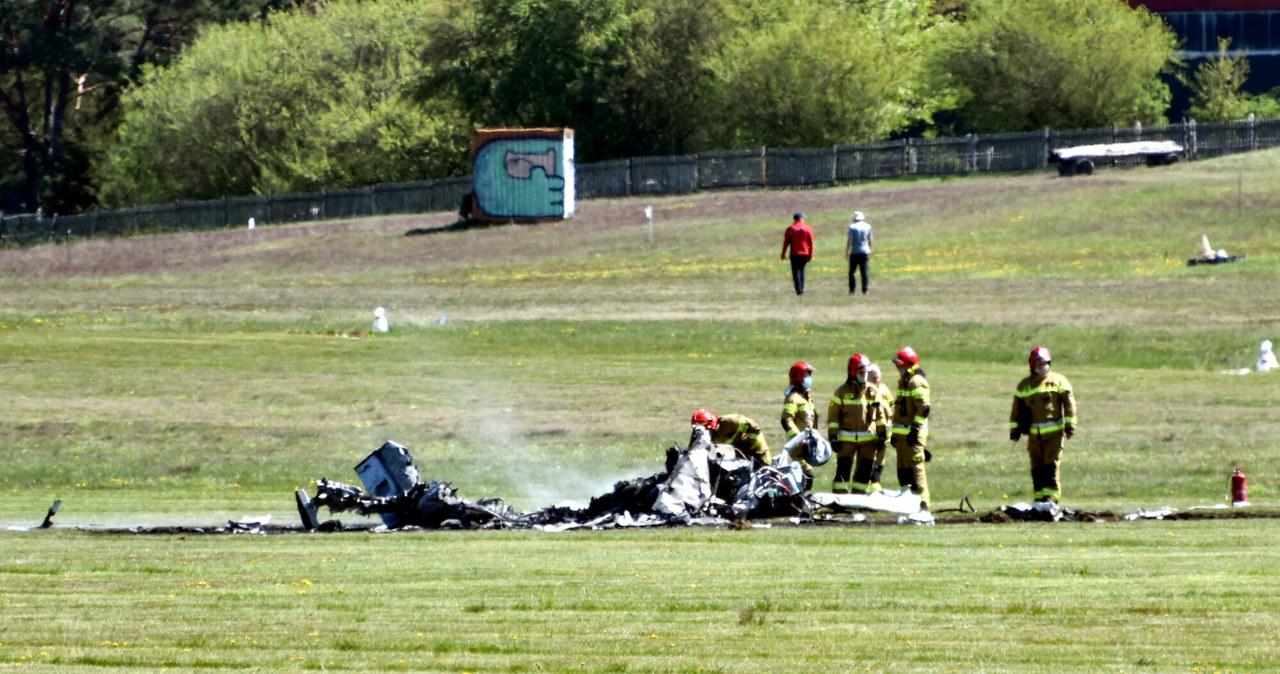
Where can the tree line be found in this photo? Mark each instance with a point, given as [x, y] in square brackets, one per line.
[117, 102]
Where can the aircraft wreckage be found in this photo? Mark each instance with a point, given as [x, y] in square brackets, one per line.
[703, 483]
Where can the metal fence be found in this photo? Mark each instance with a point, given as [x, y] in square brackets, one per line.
[762, 167]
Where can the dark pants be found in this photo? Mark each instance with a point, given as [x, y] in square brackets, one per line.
[858, 264]
[797, 271]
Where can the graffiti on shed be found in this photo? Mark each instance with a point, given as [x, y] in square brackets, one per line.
[522, 174]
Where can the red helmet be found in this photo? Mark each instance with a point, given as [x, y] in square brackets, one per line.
[705, 418]
[1040, 352]
[907, 356]
[856, 362]
[798, 372]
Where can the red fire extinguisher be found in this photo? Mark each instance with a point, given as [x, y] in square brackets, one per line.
[1239, 487]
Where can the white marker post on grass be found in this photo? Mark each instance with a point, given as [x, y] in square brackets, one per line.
[648, 215]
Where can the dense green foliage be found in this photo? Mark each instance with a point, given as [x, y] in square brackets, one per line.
[357, 93]
[300, 104]
[63, 66]
[1082, 64]
[803, 74]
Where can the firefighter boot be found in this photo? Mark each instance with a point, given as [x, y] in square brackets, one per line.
[875, 478]
[862, 476]
[1042, 479]
[906, 478]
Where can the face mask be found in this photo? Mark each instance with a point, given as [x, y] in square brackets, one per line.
[807, 383]
[861, 377]
[1042, 371]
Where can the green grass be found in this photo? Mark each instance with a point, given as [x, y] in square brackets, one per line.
[1166, 596]
[195, 378]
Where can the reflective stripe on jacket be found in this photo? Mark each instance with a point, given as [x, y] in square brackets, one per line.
[909, 409]
[798, 412]
[852, 410]
[1042, 405]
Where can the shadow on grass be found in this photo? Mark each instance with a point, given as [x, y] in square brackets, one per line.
[461, 225]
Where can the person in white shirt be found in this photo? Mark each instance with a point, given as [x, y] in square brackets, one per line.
[858, 251]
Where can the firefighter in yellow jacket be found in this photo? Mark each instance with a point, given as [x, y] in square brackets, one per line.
[852, 430]
[1044, 410]
[734, 429]
[883, 415]
[799, 414]
[911, 424]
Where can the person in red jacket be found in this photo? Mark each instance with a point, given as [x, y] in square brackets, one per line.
[798, 237]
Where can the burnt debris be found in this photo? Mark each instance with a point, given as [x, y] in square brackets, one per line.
[703, 483]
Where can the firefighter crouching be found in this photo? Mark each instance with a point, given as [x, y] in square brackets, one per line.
[798, 413]
[1044, 410]
[854, 431]
[911, 424]
[742, 433]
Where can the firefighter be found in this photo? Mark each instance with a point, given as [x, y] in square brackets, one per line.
[911, 424]
[1044, 410]
[742, 433]
[799, 414]
[851, 424]
[883, 420]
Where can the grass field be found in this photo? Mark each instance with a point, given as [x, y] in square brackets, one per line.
[195, 378]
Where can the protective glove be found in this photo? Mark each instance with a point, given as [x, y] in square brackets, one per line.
[1069, 430]
[913, 437]
[1014, 435]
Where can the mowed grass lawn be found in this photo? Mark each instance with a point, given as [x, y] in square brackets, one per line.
[195, 378]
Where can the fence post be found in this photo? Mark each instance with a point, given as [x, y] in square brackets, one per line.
[1048, 139]
[1253, 132]
[835, 159]
[764, 166]
[973, 153]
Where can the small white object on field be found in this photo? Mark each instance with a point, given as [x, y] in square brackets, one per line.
[1266, 358]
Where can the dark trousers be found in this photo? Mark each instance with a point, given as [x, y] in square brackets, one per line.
[797, 272]
[858, 265]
